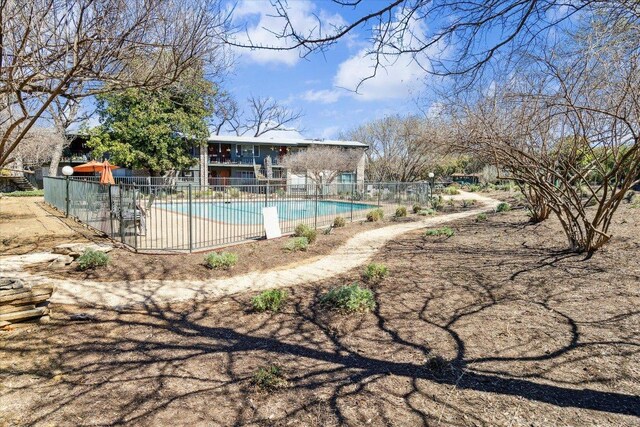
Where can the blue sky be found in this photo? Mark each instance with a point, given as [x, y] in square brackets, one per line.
[320, 85]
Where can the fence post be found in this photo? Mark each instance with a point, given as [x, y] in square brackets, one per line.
[66, 211]
[353, 189]
[315, 216]
[379, 185]
[189, 220]
[135, 215]
[120, 208]
[110, 211]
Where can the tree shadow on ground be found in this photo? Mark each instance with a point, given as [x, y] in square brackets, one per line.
[455, 332]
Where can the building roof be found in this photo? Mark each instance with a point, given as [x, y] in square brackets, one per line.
[283, 141]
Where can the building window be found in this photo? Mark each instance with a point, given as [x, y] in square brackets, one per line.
[247, 174]
[347, 178]
[246, 150]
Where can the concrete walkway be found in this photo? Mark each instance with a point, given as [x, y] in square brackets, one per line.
[353, 253]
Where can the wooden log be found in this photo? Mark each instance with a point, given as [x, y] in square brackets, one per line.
[24, 315]
[31, 300]
[11, 308]
[35, 291]
[8, 292]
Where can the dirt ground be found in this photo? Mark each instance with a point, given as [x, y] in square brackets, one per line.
[28, 225]
[497, 325]
[260, 255]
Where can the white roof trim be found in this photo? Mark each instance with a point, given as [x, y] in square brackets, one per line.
[282, 141]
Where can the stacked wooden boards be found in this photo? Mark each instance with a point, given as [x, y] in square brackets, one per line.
[23, 303]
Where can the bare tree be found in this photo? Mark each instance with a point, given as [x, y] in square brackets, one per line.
[79, 48]
[64, 113]
[323, 163]
[36, 149]
[401, 148]
[469, 33]
[226, 115]
[264, 114]
[568, 129]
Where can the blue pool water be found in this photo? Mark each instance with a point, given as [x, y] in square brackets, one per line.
[250, 212]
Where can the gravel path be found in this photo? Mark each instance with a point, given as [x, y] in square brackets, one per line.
[353, 253]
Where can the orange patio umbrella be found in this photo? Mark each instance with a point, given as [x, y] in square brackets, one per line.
[91, 166]
[106, 176]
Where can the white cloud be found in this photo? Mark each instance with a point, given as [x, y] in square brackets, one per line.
[397, 77]
[324, 96]
[330, 132]
[261, 22]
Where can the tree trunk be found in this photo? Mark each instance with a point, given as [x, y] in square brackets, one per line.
[55, 157]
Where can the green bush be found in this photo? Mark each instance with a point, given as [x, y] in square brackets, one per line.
[437, 203]
[269, 378]
[203, 193]
[468, 202]
[416, 208]
[473, 188]
[339, 222]
[451, 190]
[425, 212]
[481, 217]
[401, 212]
[221, 260]
[91, 259]
[351, 298]
[503, 207]
[443, 231]
[374, 273]
[375, 215]
[271, 300]
[31, 193]
[232, 192]
[297, 244]
[303, 230]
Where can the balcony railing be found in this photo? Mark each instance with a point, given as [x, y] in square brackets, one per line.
[241, 161]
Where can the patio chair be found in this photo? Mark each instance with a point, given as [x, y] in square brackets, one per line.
[128, 214]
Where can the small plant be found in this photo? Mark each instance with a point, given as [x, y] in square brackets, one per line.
[437, 203]
[468, 202]
[451, 190]
[473, 188]
[375, 272]
[296, 244]
[91, 259]
[303, 230]
[271, 300]
[426, 212]
[416, 208]
[232, 192]
[281, 193]
[350, 298]
[481, 217]
[29, 193]
[221, 260]
[401, 212]
[503, 207]
[375, 215]
[339, 222]
[269, 378]
[443, 231]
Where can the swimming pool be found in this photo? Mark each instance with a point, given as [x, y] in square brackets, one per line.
[250, 212]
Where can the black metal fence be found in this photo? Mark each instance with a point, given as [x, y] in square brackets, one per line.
[182, 216]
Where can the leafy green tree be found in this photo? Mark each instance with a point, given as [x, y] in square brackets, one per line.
[155, 129]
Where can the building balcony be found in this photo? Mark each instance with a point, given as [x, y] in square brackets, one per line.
[217, 160]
